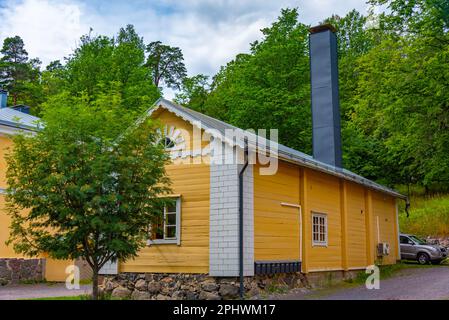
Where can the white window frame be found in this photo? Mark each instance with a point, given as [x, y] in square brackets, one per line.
[318, 243]
[177, 239]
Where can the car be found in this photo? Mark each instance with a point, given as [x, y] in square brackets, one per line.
[414, 248]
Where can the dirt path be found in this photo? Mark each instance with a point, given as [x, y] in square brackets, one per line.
[44, 290]
[407, 284]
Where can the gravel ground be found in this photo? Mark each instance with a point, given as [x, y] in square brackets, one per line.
[407, 284]
[43, 290]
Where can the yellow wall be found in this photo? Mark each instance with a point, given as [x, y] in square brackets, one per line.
[276, 227]
[192, 182]
[384, 212]
[352, 212]
[356, 230]
[55, 269]
[5, 251]
[5, 144]
[323, 196]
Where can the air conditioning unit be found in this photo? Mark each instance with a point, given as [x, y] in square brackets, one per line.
[383, 249]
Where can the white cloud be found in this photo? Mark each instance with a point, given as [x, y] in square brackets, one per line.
[210, 32]
[49, 28]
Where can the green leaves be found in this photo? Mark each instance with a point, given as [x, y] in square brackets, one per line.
[82, 188]
[18, 74]
[269, 88]
[101, 65]
[166, 64]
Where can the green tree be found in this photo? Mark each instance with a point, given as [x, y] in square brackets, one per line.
[360, 152]
[194, 92]
[85, 186]
[100, 63]
[18, 74]
[428, 18]
[272, 82]
[166, 64]
[53, 78]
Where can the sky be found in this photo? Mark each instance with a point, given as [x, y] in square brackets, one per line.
[209, 32]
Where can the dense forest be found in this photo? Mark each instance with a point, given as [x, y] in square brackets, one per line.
[394, 85]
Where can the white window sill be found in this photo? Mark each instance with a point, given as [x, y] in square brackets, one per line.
[153, 242]
[319, 245]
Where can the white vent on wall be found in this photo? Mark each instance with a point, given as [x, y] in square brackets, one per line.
[383, 249]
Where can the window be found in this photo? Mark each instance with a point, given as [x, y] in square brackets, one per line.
[166, 228]
[405, 240]
[319, 229]
[418, 240]
[168, 143]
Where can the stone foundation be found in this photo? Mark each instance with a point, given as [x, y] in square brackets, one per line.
[195, 287]
[18, 270]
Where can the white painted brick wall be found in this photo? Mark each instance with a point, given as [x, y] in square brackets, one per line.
[224, 220]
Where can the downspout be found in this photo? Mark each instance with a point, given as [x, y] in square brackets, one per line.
[241, 173]
[407, 206]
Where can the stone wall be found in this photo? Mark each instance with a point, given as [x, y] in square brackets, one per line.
[195, 287]
[442, 241]
[18, 270]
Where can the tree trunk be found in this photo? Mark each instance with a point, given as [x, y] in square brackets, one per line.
[95, 284]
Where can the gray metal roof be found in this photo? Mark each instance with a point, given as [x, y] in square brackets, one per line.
[14, 118]
[284, 152]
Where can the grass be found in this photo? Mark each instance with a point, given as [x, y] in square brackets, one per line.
[80, 297]
[429, 216]
[85, 281]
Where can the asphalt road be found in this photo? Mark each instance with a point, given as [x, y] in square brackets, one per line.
[409, 284]
[43, 290]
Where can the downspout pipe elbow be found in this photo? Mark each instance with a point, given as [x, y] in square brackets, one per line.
[407, 206]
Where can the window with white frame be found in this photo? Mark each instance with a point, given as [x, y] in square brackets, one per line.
[166, 228]
[319, 229]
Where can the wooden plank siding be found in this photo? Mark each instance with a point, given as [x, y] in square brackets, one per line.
[351, 211]
[384, 226]
[5, 145]
[5, 221]
[276, 227]
[191, 181]
[356, 230]
[323, 196]
[5, 251]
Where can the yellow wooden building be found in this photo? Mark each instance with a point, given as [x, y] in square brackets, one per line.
[295, 212]
[306, 216]
[275, 210]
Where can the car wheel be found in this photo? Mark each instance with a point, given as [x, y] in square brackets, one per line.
[423, 258]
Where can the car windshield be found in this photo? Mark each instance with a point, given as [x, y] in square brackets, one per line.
[418, 240]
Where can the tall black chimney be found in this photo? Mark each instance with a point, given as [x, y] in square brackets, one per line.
[326, 135]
